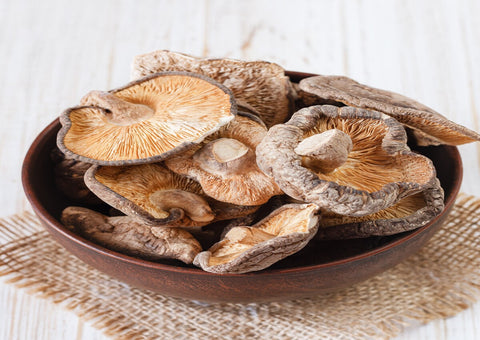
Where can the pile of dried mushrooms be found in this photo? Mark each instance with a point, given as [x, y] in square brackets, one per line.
[233, 155]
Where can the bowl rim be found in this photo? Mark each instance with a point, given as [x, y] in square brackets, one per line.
[46, 217]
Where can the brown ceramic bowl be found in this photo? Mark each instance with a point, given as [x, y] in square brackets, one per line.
[320, 267]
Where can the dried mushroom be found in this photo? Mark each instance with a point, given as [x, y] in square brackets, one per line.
[224, 164]
[68, 175]
[428, 126]
[245, 249]
[130, 236]
[379, 170]
[258, 84]
[157, 196]
[409, 213]
[202, 145]
[146, 120]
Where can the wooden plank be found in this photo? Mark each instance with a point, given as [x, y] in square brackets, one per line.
[26, 317]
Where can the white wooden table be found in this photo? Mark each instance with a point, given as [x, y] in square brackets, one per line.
[52, 52]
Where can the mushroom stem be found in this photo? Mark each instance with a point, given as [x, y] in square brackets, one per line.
[326, 151]
[194, 206]
[224, 156]
[249, 236]
[227, 150]
[118, 111]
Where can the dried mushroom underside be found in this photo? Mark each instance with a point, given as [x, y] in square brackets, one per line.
[225, 166]
[157, 196]
[259, 85]
[371, 170]
[245, 249]
[147, 120]
[150, 193]
[130, 236]
[409, 213]
[428, 126]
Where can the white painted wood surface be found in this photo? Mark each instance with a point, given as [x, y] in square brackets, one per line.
[52, 52]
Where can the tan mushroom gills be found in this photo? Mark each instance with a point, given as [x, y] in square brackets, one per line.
[326, 151]
[224, 156]
[194, 205]
[120, 112]
[405, 207]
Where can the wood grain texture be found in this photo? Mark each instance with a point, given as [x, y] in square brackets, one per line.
[54, 51]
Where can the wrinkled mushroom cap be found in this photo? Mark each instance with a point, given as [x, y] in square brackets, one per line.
[379, 171]
[68, 176]
[429, 127]
[130, 236]
[245, 249]
[410, 213]
[224, 164]
[258, 84]
[145, 121]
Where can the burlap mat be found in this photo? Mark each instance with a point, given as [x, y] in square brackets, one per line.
[439, 281]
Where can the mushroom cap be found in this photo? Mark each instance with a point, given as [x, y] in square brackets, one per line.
[410, 213]
[68, 176]
[130, 236]
[237, 181]
[245, 249]
[429, 127]
[185, 109]
[379, 171]
[259, 84]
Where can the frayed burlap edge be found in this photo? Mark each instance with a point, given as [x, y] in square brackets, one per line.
[437, 282]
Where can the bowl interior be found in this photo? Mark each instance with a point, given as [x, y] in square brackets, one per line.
[48, 202]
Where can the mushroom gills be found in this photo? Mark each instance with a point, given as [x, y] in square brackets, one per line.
[145, 121]
[402, 209]
[194, 205]
[151, 193]
[409, 213]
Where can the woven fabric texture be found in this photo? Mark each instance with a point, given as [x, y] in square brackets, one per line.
[437, 282]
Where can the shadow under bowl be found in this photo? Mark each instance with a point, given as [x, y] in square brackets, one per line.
[322, 266]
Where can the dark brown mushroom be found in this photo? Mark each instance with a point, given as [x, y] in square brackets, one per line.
[224, 164]
[245, 249]
[145, 121]
[260, 85]
[428, 126]
[130, 236]
[379, 171]
[68, 176]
